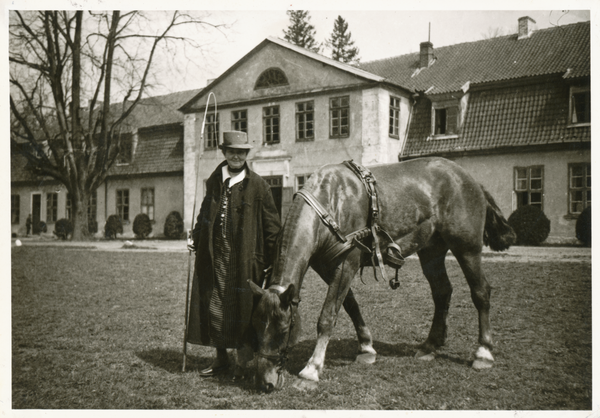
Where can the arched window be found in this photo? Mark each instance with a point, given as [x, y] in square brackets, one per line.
[271, 77]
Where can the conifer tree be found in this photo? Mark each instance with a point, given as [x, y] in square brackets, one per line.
[300, 32]
[341, 43]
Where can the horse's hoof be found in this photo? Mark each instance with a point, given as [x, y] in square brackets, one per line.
[482, 363]
[305, 385]
[366, 358]
[483, 359]
[423, 356]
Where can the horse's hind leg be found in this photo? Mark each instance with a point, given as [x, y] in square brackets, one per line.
[470, 264]
[432, 262]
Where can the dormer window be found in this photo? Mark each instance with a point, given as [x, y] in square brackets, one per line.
[125, 151]
[272, 77]
[580, 105]
[445, 120]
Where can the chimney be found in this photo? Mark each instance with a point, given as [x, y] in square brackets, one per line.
[526, 27]
[426, 54]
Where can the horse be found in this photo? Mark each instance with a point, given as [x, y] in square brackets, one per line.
[427, 206]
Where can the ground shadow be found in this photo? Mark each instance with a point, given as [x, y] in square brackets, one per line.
[172, 360]
[341, 352]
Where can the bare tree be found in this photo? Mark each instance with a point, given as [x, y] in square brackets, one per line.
[60, 60]
[494, 32]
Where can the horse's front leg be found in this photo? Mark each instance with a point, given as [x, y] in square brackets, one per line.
[336, 293]
[366, 352]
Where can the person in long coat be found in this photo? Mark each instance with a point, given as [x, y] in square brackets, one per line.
[234, 239]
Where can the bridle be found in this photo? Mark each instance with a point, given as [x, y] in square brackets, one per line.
[281, 358]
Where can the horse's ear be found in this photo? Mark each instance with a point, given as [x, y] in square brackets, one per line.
[256, 289]
[287, 296]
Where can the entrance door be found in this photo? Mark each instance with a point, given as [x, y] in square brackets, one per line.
[36, 210]
[276, 183]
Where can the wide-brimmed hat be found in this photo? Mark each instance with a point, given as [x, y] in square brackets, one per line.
[235, 139]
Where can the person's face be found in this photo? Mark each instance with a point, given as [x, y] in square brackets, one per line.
[235, 157]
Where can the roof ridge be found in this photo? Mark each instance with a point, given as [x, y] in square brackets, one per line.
[475, 41]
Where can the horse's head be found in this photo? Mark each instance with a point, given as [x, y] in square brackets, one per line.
[277, 325]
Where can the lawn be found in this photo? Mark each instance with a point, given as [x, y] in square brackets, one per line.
[103, 330]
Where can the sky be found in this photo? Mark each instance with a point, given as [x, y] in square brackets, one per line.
[382, 31]
[380, 34]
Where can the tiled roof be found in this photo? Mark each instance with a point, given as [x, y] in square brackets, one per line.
[546, 51]
[156, 152]
[159, 149]
[159, 110]
[532, 114]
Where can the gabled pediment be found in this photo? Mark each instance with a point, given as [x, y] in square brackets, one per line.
[277, 68]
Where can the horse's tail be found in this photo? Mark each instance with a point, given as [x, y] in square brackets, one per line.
[497, 234]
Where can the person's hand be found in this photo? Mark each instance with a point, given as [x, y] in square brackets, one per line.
[190, 241]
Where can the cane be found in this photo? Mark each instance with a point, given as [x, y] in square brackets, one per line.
[190, 238]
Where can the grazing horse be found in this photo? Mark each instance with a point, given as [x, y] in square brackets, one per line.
[425, 205]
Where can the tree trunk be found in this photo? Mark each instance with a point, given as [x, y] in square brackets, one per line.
[80, 217]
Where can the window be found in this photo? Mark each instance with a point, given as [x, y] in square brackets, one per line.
[272, 77]
[580, 105]
[148, 202]
[529, 182]
[211, 136]
[445, 121]
[305, 117]
[15, 208]
[339, 122]
[394, 117]
[68, 207]
[580, 187]
[51, 207]
[301, 181]
[123, 204]
[92, 204]
[271, 124]
[239, 120]
[124, 157]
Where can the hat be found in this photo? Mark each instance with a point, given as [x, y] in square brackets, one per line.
[235, 139]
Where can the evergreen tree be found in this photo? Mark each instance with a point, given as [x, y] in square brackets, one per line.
[301, 32]
[341, 43]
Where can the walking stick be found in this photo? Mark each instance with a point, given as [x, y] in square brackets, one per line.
[190, 238]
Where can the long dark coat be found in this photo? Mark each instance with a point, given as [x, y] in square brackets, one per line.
[255, 223]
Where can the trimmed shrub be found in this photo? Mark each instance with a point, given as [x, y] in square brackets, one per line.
[142, 226]
[112, 227]
[40, 227]
[530, 224]
[174, 226]
[63, 228]
[583, 227]
[92, 226]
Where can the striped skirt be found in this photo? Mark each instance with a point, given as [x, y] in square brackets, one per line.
[223, 302]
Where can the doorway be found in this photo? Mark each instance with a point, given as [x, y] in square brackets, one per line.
[36, 210]
[276, 183]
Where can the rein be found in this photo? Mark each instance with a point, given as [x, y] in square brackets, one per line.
[353, 240]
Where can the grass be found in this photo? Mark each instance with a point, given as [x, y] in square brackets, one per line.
[103, 330]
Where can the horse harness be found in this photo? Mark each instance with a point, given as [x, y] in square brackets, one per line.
[392, 254]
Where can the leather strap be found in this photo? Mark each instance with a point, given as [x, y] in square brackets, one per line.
[322, 212]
